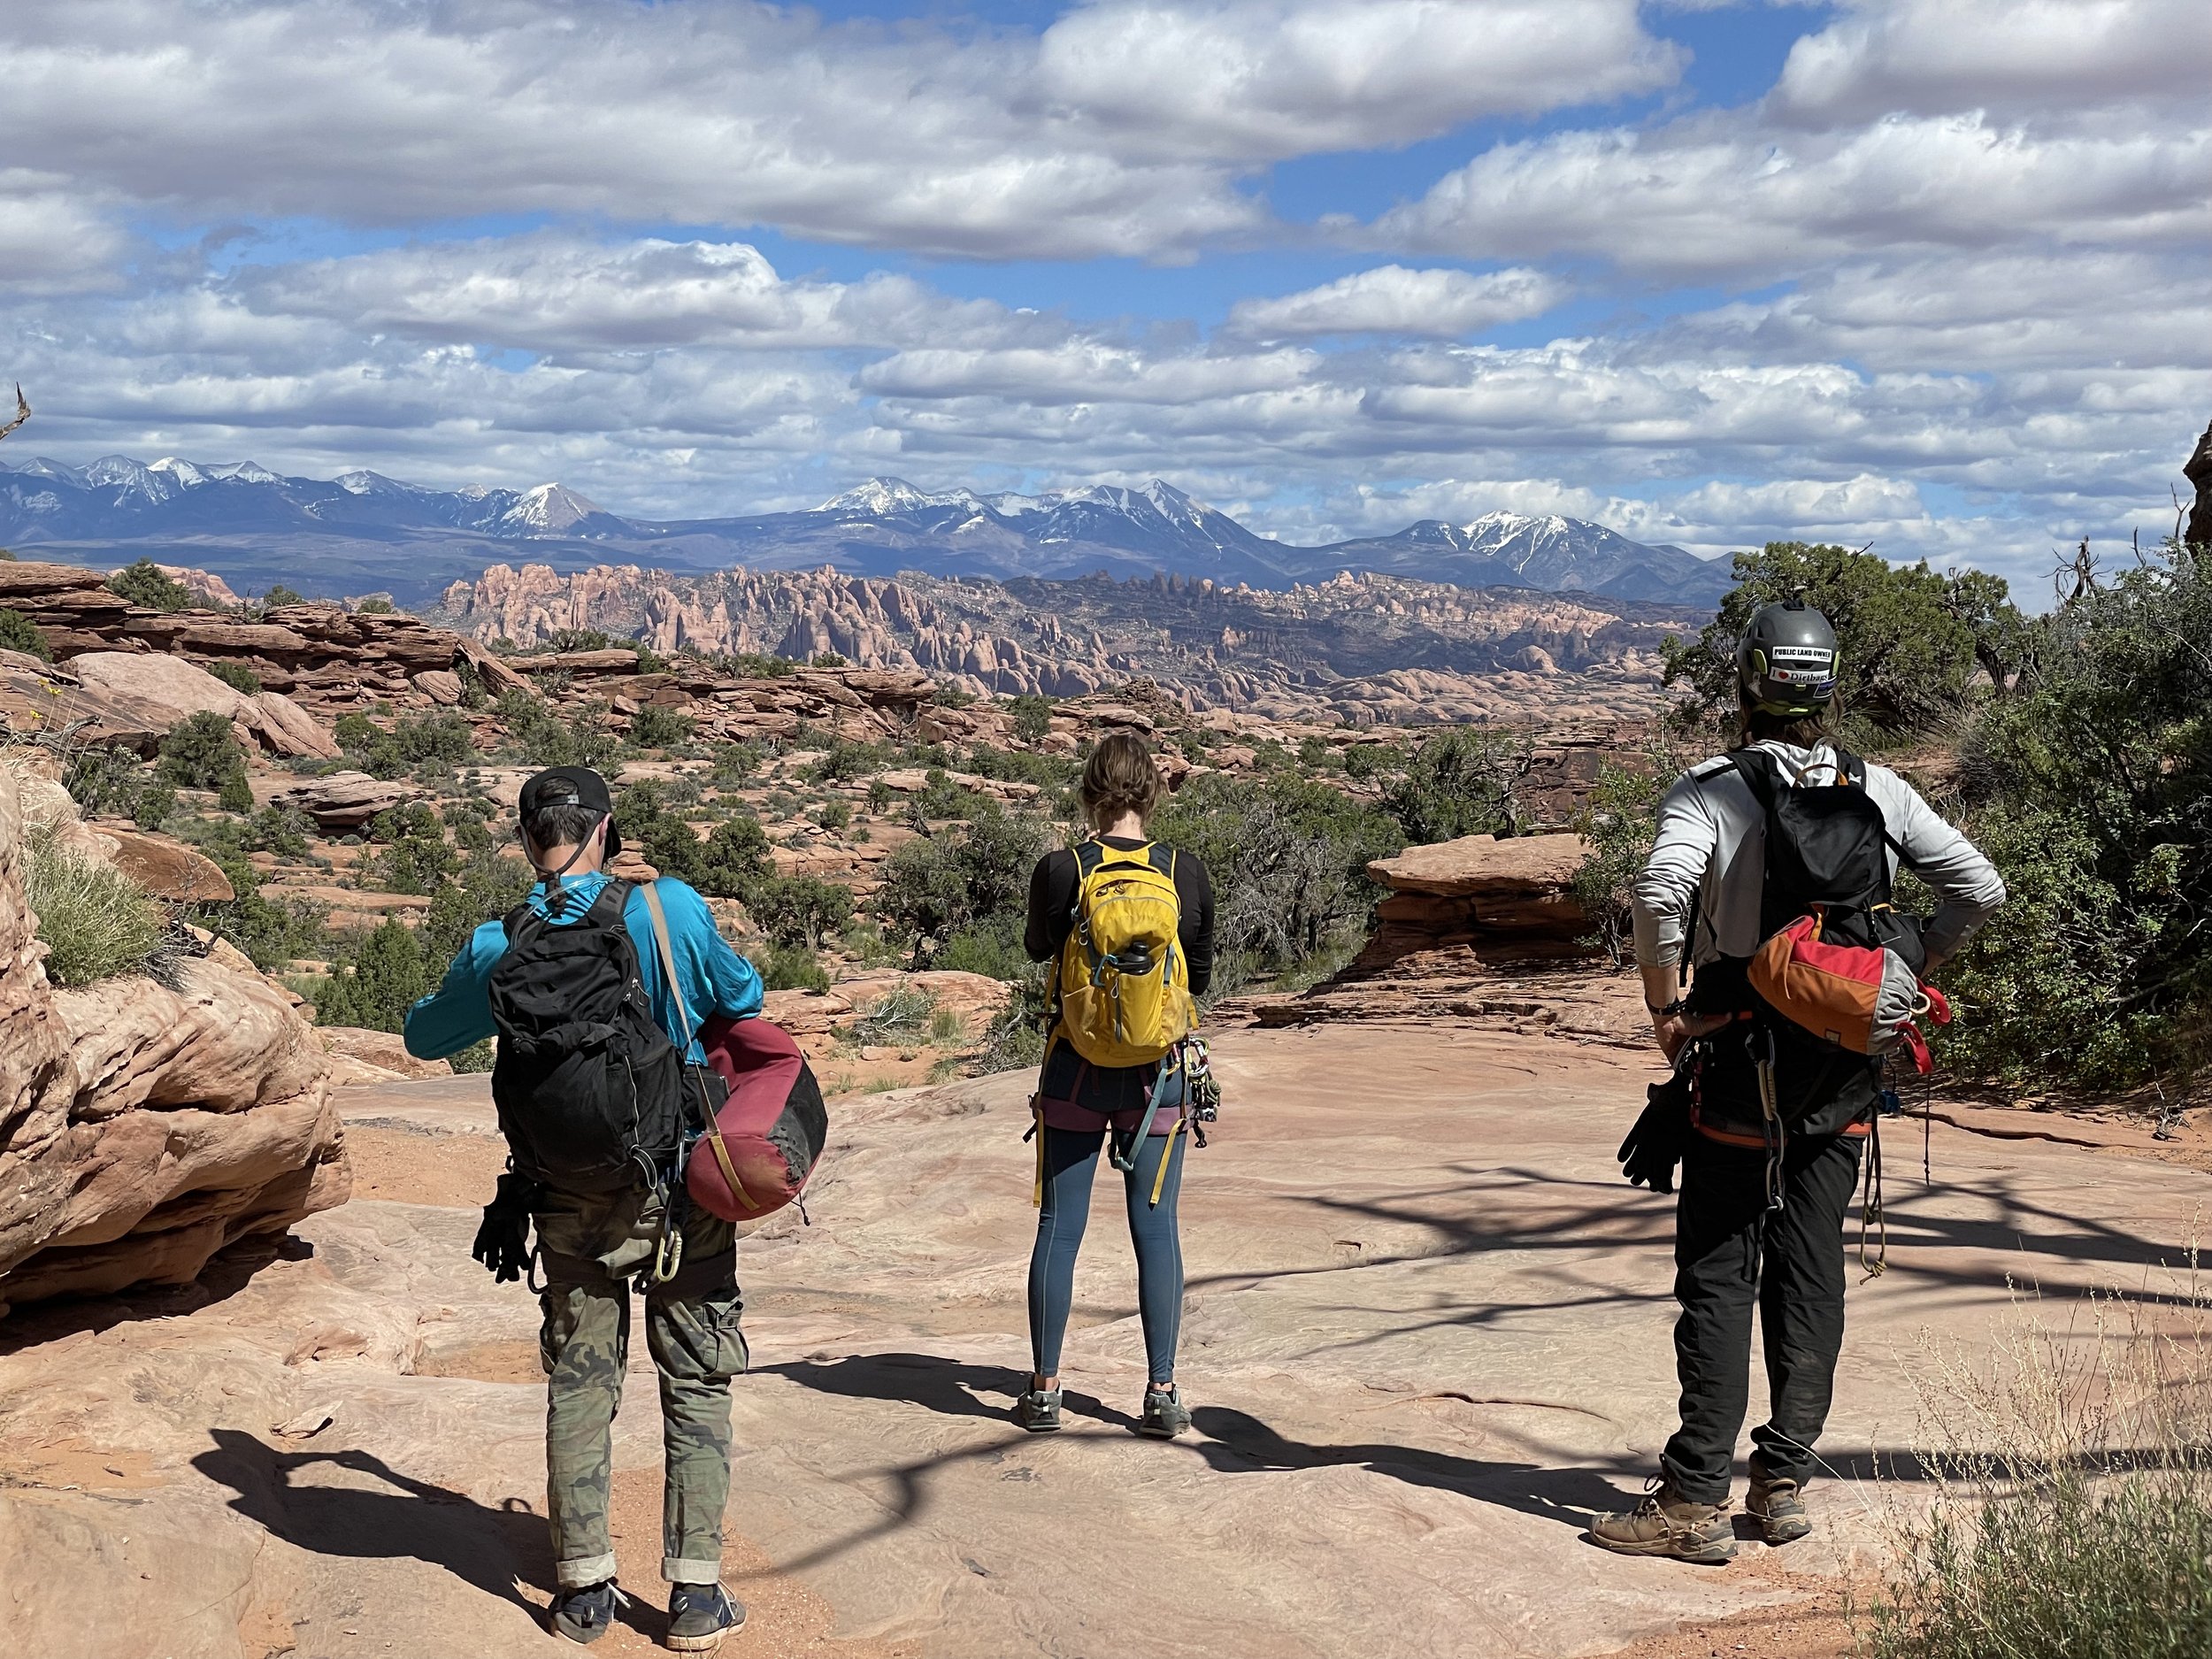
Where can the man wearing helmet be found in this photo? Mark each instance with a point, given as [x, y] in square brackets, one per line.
[1771, 1144]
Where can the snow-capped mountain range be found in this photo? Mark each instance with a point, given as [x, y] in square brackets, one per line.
[361, 531]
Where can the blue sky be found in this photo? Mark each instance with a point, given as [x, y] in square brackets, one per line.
[1930, 274]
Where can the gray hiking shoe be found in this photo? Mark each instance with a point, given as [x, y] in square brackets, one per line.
[700, 1616]
[1165, 1416]
[584, 1614]
[1038, 1410]
[1665, 1525]
[1778, 1505]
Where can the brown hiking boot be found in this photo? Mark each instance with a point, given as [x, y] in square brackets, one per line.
[1778, 1505]
[1664, 1525]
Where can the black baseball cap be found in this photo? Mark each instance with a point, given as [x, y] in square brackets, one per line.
[571, 786]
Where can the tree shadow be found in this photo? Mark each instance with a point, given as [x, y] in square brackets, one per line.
[1237, 1442]
[498, 1551]
[937, 1385]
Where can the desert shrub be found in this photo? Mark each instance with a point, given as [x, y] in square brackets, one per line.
[2073, 1498]
[827, 659]
[154, 805]
[1911, 641]
[106, 782]
[1015, 1039]
[754, 665]
[540, 736]
[1461, 782]
[435, 741]
[565, 640]
[900, 1017]
[1618, 818]
[485, 887]
[656, 727]
[733, 857]
[938, 886]
[478, 1056]
[279, 594]
[147, 586]
[733, 763]
[2091, 787]
[200, 753]
[412, 855]
[279, 830]
[940, 798]
[95, 921]
[797, 909]
[237, 676]
[1317, 755]
[1289, 857]
[789, 968]
[1364, 761]
[234, 794]
[1033, 717]
[948, 695]
[844, 761]
[18, 633]
[373, 982]
[993, 949]
[1055, 774]
[377, 605]
[835, 815]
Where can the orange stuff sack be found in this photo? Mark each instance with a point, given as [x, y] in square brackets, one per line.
[1865, 998]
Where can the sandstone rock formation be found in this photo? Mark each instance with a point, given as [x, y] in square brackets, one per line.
[1336, 649]
[1480, 931]
[144, 1125]
[2197, 470]
[342, 801]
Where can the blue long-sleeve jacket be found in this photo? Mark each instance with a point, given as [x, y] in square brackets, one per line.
[715, 978]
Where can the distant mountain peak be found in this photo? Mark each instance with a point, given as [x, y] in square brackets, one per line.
[548, 509]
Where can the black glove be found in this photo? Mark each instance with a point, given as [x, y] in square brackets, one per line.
[502, 1243]
[1655, 1145]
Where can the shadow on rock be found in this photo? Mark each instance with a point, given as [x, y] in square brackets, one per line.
[1238, 1443]
[498, 1551]
[942, 1385]
[228, 1271]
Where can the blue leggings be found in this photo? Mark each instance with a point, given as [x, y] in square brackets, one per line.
[1070, 1159]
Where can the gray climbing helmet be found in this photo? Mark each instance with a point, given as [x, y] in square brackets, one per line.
[1787, 661]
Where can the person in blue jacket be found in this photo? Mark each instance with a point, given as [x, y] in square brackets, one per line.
[591, 1246]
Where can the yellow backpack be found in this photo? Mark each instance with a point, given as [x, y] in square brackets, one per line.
[1123, 986]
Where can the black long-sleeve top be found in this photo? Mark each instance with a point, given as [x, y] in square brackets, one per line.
[1052, 892]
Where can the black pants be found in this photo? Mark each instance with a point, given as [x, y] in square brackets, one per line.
[1730, 1252]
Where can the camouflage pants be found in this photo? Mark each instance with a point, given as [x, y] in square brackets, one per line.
[592, 1248]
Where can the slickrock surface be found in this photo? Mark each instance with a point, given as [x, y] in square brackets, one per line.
[1427, 1331]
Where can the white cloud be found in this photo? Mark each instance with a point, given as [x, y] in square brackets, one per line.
[2030, 57]
[559, 291]
[1081, 142]
[1239, 80]
[51, 239]
[1394, 300]
[1709, 196]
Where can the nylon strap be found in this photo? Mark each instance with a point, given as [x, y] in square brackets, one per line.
[1159, 1181]
[683, 1016]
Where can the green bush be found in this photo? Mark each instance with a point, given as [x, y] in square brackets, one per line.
[940, 799]
[938, 886]
[234, 794]
[279, 594]
[948, 695]
[1618, 818]
[95, 921]
[18, 633]
[733, 857]
[1461, 782]
[541, 737]
[1911, 641]
[154, 804]
[200, 753]
[733, 763]
[1033, 717]
[789, 968]
[797, 909]
[279, 830]
[145, 585]
[844, 761]
[654, 727]
[269, 934]
[413, 856]
[994, 951]
[105, 782]
[237, 676]
[1364, 761]
[566, 640]
[377, 605]
[374, 983]
[435, 741]
[486, 887]
[1289, 857]
[835, 815]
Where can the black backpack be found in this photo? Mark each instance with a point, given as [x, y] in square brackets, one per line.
[588, 1087]
[1828, 849]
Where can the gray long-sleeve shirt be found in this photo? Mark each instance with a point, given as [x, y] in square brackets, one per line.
[1712, 846]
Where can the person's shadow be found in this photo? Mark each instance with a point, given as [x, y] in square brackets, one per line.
[498, 1551]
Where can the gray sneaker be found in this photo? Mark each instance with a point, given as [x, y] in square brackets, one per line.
[583, 1615]
[1778, 1506]
[700, 1616]
[1038, 1410]
[1165, 1416]
[1665, 1523]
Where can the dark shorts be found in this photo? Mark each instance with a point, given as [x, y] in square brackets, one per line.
[1065, 1114]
